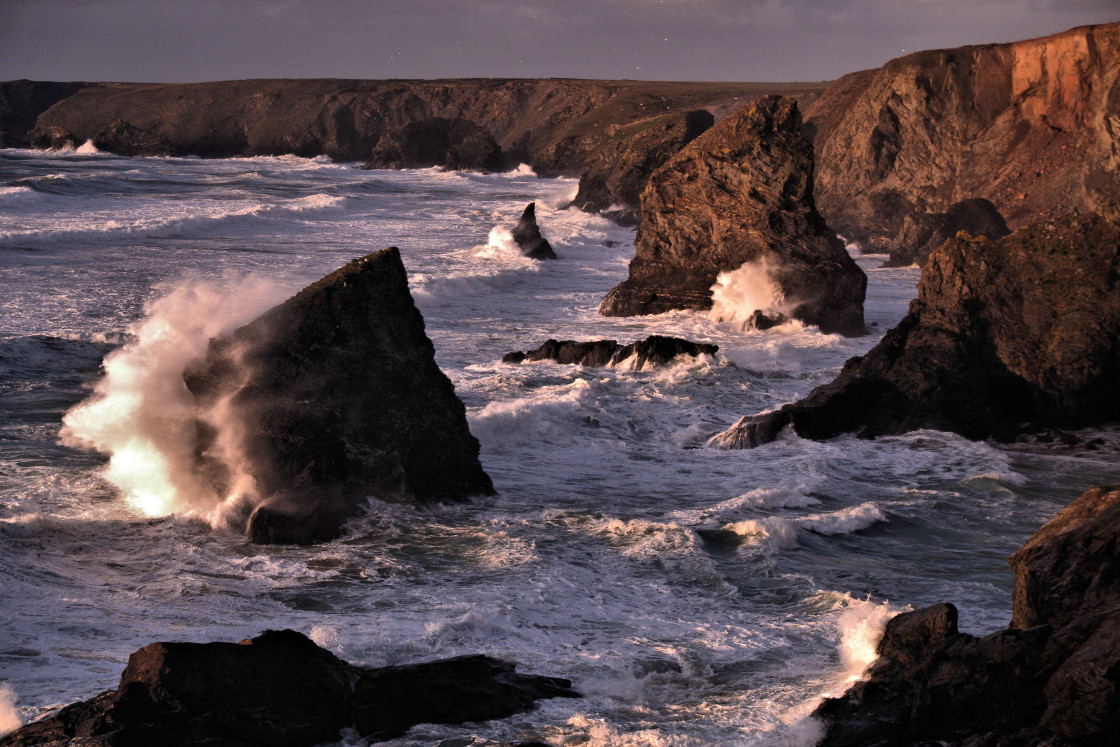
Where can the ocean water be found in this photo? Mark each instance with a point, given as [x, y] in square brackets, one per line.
[694, 596]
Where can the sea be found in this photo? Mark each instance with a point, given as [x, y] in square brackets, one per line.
[694, 596]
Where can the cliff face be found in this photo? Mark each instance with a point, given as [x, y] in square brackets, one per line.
[550, 124]
[1023, 330]
[1032, 126]
[741, 193]
[21, 103]
[1052, 677]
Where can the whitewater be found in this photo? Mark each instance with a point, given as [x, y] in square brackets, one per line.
[694, 596]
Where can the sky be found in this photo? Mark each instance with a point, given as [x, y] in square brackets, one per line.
[722, 40]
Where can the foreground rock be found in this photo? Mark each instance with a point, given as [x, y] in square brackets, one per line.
[1004, 336]
[334, 396]
[281, 689]
[1028, 125]
[527, 235]
[741, 194]
[1052, 677]
[616, 172]
[653, 352]
[457, 144]
[922, 233]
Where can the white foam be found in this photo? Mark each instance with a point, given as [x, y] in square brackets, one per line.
[845, 521]
[739, 293]
[547, 415]
[861, 627]
[771, 534]
[9, 716]
[88, 149]
[523, 169]
[17, 194]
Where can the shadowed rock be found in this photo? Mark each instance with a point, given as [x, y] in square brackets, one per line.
[741, 193]
[453, 143]
[1004, 336]
[280, 689]
[922, 233]
[615, 173]
[1052, 677]
[332, 397]
[653, 352]
[527, 235]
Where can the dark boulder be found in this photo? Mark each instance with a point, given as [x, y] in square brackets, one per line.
[281, 689]
[1052, 677]
[616, 172]
[334, 397]
[437, 141]
[741, 194]
[924, 232]
[1004, 336]
[653, 352]
[763, 320]
[527, 235]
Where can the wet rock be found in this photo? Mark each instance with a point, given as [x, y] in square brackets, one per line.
[1004, 336]
[741, 193]
[281, 689]
[527, 235]
[763, 320]
[336, 397]
[1052, 677]
[1026, 125]
[922, 233]
[653, 352]
[125, 139]
[437, 141]
[616, 172]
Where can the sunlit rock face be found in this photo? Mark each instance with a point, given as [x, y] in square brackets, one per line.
[327, 399]
[741, 194]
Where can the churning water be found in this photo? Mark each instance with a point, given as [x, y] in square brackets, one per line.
[694, 596]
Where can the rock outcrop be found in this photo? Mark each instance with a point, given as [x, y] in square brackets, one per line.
[21, 103]
[527, 235]
[1052, 677]
[741, 193]
[1004, 335]
[653, 352]
[616, 172]
[327, 399]
[921, 234]
[550, 124]
[452, 143]
[1029, 125]
[281, 689]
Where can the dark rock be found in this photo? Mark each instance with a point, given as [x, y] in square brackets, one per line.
[21, 103]
[1053, 677]
[125, 139]
[616, 172]
[1004, 336]
[527, 235]
[921, 234]
[652, 352]
[438, 141]
[741, 193]
[281, 689]
[337, 397]
[763, 320]
[1026, 125]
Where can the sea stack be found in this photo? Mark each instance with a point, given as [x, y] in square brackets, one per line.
[741, 194]
[1004, 335]
[332, 397]
[527, 235]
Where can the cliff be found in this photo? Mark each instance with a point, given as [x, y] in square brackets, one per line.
[740, 195]
[551, 124]
[1031, 126]
[1004, 335]
[1052, 677]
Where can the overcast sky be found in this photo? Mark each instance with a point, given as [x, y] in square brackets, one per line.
[740, 40]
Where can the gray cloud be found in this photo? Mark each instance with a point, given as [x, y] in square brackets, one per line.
[185, 40]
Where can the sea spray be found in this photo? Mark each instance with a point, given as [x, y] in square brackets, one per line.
[749, 288]
[9, 716]
[141, 414]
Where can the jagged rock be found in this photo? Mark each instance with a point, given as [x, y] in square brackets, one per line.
[921, 234]
[1004, 336]
[527, 235]
[335, 396]
[653, 352]
[125, 139]
[763, 320]
[1028, 125]
[438, 141]
[741, 193]
[616, 172]
[1052, 677]
[281, 689]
